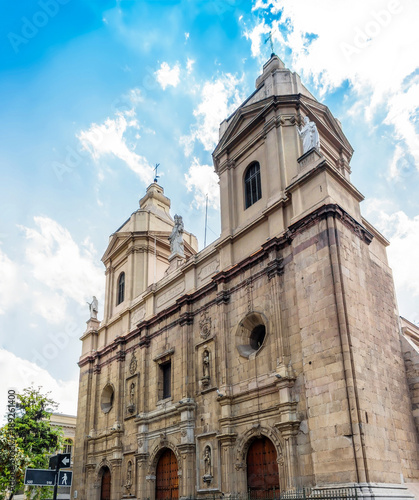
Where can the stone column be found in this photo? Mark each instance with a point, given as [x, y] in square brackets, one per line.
[229, 484]
[116, 479]
[187, 470]
[141, 473]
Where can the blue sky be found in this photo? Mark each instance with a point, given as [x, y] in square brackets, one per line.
[94, 94]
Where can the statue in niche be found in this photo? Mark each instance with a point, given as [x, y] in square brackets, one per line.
[207, 478]
[93, 308]
[205, 369]
[207, 461]
[309, 134]
[128, 483]
[206, 364]
[131, 405]
[176, 238]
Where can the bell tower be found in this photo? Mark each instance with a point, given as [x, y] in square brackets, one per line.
[267, 180]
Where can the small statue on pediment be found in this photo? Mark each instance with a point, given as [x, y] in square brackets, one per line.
[309, 135]
[176, 238]
[93, 308]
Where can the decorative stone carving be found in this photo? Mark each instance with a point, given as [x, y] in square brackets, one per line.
[133, 364]
[205, 325]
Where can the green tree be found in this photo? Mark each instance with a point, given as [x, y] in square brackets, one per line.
[32, 434]
[13, 463]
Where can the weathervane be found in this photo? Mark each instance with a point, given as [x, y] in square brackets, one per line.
[269, 38]
[155, 172]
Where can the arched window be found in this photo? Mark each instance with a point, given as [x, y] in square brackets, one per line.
[121, 288]
[252, 185]
[68, 445]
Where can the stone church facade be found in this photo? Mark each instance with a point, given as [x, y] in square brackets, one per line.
[269, 361]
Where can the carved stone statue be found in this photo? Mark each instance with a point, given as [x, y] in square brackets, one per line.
[176, 238]
[128, 483]
[309, 135]
[206, 364]
[132, 393]
[93, 308]
[207, 461]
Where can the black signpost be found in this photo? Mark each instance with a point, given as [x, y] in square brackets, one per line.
[62, 459]
[52, 476]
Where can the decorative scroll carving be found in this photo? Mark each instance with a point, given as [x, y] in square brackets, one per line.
[205, 325]
[133, 364]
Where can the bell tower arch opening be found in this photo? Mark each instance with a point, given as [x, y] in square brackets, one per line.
[167, 479]
[262, 469]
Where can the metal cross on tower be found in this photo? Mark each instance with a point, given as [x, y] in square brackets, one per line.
[155, 172]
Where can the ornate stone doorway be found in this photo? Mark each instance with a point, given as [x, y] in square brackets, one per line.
[262, 469]
[167, 479]
[105, 487]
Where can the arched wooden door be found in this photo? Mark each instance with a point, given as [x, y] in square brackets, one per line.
[167, 479]
[262, 469]
[105, 488]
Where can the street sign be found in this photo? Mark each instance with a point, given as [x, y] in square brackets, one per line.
[39, 477]
[63, 459]
[65, 478]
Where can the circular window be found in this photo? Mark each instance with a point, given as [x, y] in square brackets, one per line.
[250, 334]
[106, 401]
[257, 337]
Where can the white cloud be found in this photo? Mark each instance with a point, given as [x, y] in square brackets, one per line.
[372, 46]
[135, 96]
[109, 138]
[403, 233]
[59, 263]
[168, 76]
[255, 37]
[220, 97]
[203, 181]
[11, 285]
[189, 65]
[186, 36]
[18, 373]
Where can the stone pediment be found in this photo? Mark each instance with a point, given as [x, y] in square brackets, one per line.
[249, 116]
[116, 242]
[244, 117]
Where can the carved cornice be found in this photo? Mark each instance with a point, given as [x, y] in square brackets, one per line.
[227, 438]
[223, 297]
[275, 268]
[186, 319]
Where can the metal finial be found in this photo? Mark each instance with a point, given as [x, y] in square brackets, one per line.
[155, 172]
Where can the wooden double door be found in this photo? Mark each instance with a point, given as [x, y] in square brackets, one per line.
[262, 469]
[105, 487]
[167, 479]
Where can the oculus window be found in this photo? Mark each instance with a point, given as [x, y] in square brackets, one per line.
[252, 184]
[107, 398]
